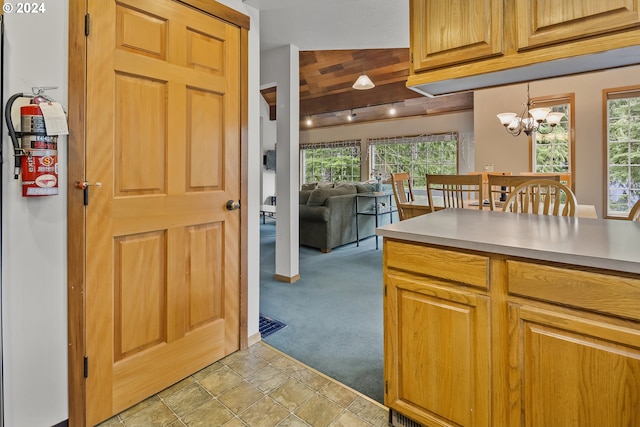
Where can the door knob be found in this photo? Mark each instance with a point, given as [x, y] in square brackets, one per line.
[232, 205]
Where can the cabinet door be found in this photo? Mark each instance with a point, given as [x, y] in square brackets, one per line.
[445, 32]
[546, 22]
[567, 370]
[437, 352]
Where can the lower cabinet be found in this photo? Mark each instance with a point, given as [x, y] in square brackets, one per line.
[480, 339]
[570, 371]
[437, 342]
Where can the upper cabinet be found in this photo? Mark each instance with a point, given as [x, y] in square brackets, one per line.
[459, 45]
[445, 32]
[546, 22]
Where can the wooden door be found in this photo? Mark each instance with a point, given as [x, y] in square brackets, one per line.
[162, 250]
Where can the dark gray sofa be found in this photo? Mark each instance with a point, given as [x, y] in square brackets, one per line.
[328, 215]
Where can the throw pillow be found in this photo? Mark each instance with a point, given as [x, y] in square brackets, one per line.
[309, 186]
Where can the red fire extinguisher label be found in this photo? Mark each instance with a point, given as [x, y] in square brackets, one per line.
[40, 173]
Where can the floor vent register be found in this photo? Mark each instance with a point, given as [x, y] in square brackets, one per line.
[269, 325]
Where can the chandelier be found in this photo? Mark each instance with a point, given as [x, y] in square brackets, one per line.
[540, 120]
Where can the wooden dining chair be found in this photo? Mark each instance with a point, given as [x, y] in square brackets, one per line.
[542, 197]
[500, 186]
[564, 178]
[454, 191]
[634, 214]
[405, 200]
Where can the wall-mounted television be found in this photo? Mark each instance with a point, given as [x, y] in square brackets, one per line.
[269, 160]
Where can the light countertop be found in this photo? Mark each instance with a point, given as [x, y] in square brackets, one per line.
[600, 243]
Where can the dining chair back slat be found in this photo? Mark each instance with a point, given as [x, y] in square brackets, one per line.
[454, 190]
[404, 198]
[500, 186]
[542, 197]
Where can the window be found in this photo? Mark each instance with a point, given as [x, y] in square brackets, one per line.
[331, 161]
[553, 152]
[417, 155]
[623, 150]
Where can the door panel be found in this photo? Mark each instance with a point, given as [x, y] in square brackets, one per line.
[163, 258]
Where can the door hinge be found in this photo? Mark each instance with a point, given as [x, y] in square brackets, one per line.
[385, 290]
[87, 24]
[86, 367]
[386, 387]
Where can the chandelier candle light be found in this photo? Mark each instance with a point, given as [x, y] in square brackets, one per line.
[540, 120]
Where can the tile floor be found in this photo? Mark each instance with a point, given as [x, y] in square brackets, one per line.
[256, 387]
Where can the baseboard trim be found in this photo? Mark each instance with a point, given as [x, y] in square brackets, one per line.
[286, 279]
[64, 423]
[254, 339]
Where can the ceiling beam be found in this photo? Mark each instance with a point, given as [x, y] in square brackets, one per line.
[379, 95]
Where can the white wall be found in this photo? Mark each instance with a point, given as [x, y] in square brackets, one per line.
[34, 238]
[34, 244]
[254, 168]
[457, 122]
[508, 153]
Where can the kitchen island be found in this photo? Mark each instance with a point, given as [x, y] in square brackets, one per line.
[501, 319]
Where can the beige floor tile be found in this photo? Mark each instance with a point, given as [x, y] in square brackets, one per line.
[349, 419]
[187, 399]
[287, 365]
[211, 413]
[257, 387]
[265, 413]
[267, 379]
[177, 386]
[248, 365]
[319, 411]
[111, 422]
[293, 421]
[139, 407]
[339, 394]
[208, 370]
[267, 353]
[371, 412]
[157, 415]
[236, 422]
[292, 394]
[221, 381]
[241, 397]
[310, 378]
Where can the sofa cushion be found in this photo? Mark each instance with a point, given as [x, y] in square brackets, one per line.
[320, 195]
[365, 187]
[303, 196]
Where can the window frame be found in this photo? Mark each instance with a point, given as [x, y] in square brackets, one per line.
[549, 102]
[351, 143]
[607, 95]
[414, 139]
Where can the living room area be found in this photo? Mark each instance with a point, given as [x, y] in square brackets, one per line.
[482, 144]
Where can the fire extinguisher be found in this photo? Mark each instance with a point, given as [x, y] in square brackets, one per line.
[36, 154]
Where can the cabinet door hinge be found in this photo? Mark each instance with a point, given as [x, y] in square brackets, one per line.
[385, 290]
[86, 367]
[386, 387]
[87, 24]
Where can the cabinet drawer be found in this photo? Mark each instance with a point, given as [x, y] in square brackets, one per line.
[599, 292]
[449, 265]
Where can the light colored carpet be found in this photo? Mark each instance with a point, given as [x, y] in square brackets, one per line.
[333, 313]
